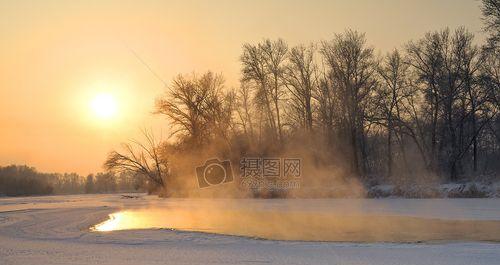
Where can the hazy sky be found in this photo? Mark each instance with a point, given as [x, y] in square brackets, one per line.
[55, 56]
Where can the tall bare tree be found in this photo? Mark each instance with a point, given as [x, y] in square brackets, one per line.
[351, 68]
[491, 18]
[427, 61]
[390, 95]
[263, 67]
[244, 110]
[275, 53]
[301, 79]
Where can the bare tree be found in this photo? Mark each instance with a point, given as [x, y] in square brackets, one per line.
[254, 73]
[197, 107]
[275, 53]
[351, 73]
[426, 60]
[263, 67]
[447, 69]
[491, 18]
[244, 110]
[389, 97]
[141, 159]
[301, 80]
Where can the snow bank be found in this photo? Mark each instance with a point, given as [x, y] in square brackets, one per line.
[450, 190]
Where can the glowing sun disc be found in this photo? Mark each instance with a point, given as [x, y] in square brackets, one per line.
[103, 105]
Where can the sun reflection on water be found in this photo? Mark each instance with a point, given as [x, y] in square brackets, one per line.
[150, 219]
[309, 226]
[109, 225]
[122, 221]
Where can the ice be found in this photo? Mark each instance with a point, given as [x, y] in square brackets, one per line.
[55, 230]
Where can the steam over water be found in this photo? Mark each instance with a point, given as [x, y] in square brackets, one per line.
[303, 224]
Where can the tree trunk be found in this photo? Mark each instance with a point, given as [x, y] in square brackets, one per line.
[389, 147]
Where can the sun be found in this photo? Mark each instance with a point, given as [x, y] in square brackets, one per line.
[103, 106]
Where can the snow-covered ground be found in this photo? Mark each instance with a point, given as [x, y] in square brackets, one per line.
[56, 230]
[473, 189]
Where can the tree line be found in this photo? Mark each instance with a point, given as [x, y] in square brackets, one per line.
[17, 180]
[428, 108]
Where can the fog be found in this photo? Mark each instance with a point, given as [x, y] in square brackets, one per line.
[284, 221]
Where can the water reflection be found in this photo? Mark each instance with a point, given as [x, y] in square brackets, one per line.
[307, 226]
[120, 221]
[149, 219]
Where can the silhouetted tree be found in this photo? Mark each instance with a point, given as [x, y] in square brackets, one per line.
[89, 184]
[491, 15]
[263, 68]
[389, 98]
[300, 77]
[351, 67]
[198, 108]
[140, 159]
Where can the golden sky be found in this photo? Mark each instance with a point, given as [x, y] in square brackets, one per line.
[56, 56]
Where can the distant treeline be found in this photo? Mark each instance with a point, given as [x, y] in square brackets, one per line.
[16, 180]
[429, 108]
